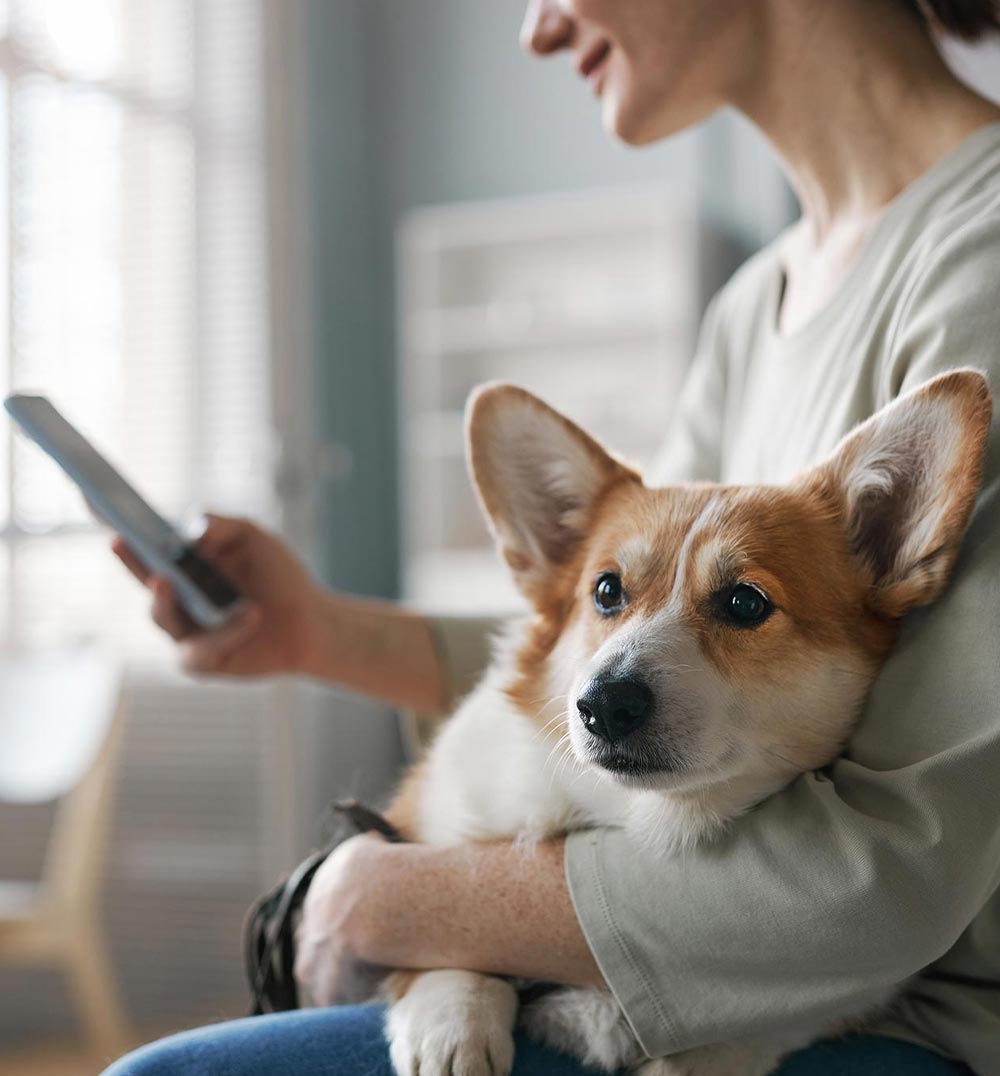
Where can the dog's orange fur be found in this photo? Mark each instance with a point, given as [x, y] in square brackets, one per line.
[786, 540]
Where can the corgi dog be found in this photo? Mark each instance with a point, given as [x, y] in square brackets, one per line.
[690, 650]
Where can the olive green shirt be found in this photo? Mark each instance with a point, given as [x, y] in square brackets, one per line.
[884, 867]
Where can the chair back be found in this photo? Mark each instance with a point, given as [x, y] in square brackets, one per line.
[60, 728]
[56, 709]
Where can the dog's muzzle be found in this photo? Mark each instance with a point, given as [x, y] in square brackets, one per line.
[613, 709]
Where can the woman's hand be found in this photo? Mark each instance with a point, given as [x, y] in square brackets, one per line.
[327, 964]
[272, 634]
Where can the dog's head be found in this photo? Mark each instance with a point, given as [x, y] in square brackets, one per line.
[707, 636]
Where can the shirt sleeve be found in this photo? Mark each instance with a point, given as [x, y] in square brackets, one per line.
[857, 877]
[464, 649]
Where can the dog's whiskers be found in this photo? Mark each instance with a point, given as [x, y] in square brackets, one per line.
[548, 724]
[543, 706]
[566, 758]
[558, 757]
[550, 729]
[556, 747]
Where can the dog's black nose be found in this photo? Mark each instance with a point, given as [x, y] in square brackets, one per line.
[612, 709]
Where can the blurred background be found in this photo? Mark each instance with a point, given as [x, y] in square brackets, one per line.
[259, 251]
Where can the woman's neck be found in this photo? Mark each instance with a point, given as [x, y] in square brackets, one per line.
[857, 102]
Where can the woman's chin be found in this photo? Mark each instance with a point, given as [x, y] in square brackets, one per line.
[621, 125]
[627, 121]
[634, 125]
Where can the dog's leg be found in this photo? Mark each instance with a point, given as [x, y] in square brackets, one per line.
[450, 1023]
[585, 1023]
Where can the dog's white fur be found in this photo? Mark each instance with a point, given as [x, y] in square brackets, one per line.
[496, 773]
[486, 785]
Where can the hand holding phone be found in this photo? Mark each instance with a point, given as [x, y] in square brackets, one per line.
[282, 618]
[205, 594]
[275, 622]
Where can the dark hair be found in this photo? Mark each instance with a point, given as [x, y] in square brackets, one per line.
[968, 19]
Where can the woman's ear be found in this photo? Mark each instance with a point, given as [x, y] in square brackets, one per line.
[907, 480]
[538, 477]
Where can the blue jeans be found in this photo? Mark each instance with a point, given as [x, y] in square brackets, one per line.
[349, 1042]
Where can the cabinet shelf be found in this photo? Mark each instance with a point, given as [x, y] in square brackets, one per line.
[456, 332]
[590, 301]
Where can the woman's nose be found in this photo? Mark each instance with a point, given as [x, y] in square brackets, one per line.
[546, 28]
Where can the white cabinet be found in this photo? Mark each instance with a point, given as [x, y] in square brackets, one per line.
[589, 300]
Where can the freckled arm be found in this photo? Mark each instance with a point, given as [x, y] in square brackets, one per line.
[492, 908]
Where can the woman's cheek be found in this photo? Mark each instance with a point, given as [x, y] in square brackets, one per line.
[583, 9]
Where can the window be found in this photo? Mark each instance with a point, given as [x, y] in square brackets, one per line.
[132, 285]
[134, 291]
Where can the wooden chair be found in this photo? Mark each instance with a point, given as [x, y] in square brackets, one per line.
[61, 720]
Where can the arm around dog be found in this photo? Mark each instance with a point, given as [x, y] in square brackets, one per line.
[494, 908]
[293, 625]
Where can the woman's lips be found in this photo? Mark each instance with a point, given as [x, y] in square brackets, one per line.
[591, 64]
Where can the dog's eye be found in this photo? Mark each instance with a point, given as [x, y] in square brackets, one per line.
[747, 606]
[608, 593]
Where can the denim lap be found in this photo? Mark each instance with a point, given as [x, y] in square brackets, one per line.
[349, 1041]
[346, 1041]
[868, 1055]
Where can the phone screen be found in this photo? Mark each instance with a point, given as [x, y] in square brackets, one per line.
[101, 483]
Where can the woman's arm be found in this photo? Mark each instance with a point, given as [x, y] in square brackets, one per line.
[377, 648]
[293, 625]
[495, 908]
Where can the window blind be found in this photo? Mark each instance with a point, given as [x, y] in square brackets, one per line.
[132, 285]
[134, 292]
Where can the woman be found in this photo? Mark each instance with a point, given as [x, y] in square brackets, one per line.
[880, 871]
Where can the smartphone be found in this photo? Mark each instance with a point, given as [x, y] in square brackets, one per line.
[204, 593]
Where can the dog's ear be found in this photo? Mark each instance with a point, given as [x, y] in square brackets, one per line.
[538, 477]
[907, 480]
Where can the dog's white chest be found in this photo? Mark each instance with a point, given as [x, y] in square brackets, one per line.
[493, 774]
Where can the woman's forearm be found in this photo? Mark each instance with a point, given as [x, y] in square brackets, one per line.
[495, 908]
[376, 648]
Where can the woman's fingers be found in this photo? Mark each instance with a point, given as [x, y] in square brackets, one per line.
[166, 613]
[211, 651]
[220, 534]
[130, 560]
[201, 651]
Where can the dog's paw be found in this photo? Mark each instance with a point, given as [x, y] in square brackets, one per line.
[449, 1049]
[453, 1023]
